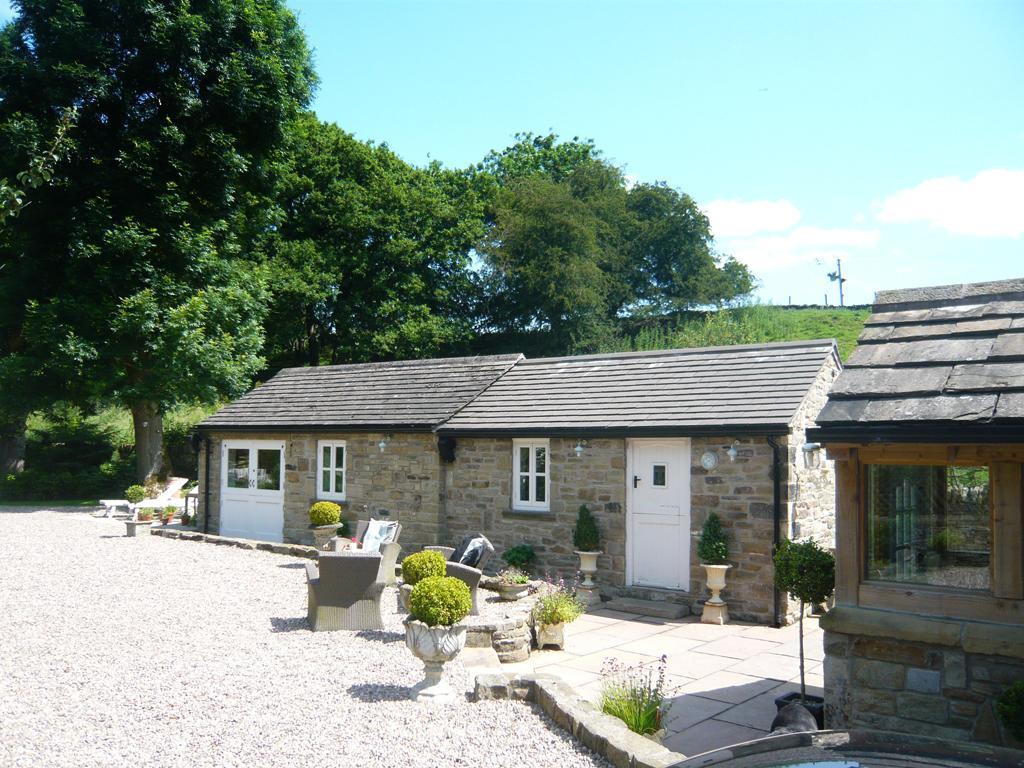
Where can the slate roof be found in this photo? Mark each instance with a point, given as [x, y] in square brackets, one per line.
[406, 395]
[751, 389]
[933, 363]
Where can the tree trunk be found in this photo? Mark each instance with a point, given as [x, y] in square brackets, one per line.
[149, 440]
[12, 445]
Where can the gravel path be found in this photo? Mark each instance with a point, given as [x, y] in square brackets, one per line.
[154, 652]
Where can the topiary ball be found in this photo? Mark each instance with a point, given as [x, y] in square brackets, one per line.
[324, 513]
[134, 494]
[440, 601]
[422, 565]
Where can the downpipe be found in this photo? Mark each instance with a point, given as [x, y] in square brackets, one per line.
[776, 522]
[206, 486]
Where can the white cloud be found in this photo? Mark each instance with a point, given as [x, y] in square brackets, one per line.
[989, 205]
[801, 246]
[736, 218]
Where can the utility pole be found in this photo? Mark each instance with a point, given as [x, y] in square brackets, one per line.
[837, 277]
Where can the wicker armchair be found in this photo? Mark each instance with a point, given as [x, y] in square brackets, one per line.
[345, 591]
[466, 562]
[389, 550]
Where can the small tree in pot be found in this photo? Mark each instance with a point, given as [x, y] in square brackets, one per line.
[587, 540]
[417, 567]
[808, 574]
[324, 517]
[713, 551]
[433, 632]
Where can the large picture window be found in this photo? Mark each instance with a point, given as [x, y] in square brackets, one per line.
[530, 475]
[929, 525]
[331, 482]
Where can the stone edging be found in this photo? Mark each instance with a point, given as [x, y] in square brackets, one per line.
[295, 550]
[606, 735]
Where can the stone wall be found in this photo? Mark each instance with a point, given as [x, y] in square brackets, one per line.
[400, 483]
[910, 674]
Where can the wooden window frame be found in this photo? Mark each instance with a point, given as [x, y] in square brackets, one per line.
[531, 505]
[1005, 600]
[333, 494]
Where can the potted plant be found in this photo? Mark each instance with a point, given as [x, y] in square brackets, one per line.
[713, 551]
[324, 517]
[520, 556]
[808, 573]
[555, 608]
[417, 567]
[512, 584]
[587, 540]
[168, 514]
[433, 632]
[134, 494]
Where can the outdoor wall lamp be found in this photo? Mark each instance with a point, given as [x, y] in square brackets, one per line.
[580, 445]
[384, 442]
[731, 452]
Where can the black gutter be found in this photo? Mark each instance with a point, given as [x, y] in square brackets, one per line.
[890, 432]
[715, 430]
[315, 428]
[776, 522]
[206, 487]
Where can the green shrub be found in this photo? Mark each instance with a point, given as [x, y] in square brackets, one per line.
[585, 536]
[134, 494]
[634, 695]
[519, 556]
[440, 601]
[1010, 708]
[557, 606]
[344, 530]
[713, 545]
[805, 570]
[325, 513]
[422, 565]
[145, 514]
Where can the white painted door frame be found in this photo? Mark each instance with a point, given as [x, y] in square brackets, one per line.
[252, 511]
[679, 476]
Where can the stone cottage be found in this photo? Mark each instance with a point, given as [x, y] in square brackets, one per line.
[926, 426]
[651, 442]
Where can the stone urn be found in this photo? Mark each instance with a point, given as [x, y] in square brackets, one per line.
[132, 526]
[588, 567]
[434, 646]
[550, 634]
[404, 592]
[715, 609]
[511, 592]
[322, 535]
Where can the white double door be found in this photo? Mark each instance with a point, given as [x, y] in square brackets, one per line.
[252, 489]
[658, 513]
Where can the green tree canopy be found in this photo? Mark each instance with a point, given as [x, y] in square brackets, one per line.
[123, 278]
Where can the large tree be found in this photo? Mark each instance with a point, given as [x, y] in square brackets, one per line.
[124, 279]
[370, 256]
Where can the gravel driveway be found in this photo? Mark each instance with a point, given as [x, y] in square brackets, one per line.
[153, 652]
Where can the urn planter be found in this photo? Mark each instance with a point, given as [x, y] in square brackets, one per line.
[322, 535]
[550, 634]
[588, 567]
[512, 592]
[434, 646]
[715, 609]
[404, 590]
[133, 526]
[813, 704]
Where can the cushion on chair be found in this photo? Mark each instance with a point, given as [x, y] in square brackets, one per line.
[470, 550]
[378, 532]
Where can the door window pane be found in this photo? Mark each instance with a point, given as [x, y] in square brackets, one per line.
[659, 476]
[524, 459]
[541, 489]
[325, 462]
[238, 467]
[325, 483]
[929, 525]
[339, 481]
[542, 461]
[268, 469]
[524, 487]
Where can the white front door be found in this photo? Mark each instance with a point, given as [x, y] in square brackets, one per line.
[658, 513]
[252, 489]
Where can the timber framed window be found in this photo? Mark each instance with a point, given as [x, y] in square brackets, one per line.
[530, 479]
[331, 471]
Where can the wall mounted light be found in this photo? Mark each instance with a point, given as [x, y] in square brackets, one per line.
[384, 443]
[580, 445]
[731, 452]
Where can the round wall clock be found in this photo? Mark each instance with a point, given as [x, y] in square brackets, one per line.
[709, 460]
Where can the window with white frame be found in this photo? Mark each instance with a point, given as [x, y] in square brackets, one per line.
[331, 483]
[530, 475]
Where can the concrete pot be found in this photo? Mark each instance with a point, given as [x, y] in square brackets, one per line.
[715, 609]
[322, 535]
[550, 634]
[404, 592]
[133, 525]
[512, 592]
[433, 646]
[813, 704]
[588, 567]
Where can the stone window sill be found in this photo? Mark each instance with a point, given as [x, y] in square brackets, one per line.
[530, 514]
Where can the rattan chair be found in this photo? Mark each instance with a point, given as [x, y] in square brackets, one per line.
[345, 591]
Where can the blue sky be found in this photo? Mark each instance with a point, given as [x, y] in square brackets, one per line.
[888, 134]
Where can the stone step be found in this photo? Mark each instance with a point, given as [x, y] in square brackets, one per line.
[658, 609]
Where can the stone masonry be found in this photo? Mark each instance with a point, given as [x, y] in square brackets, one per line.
[400, 483]
[911, 674]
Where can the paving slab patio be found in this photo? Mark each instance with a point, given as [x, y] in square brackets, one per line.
[721, 681]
